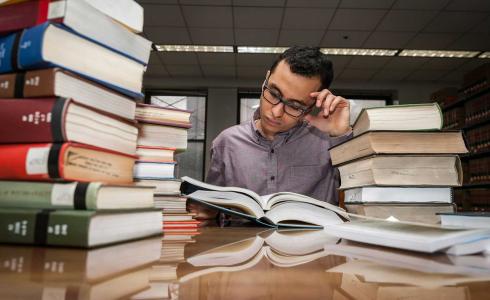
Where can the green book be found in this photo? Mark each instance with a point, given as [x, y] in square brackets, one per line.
[74, 195]
[427, 116]
[74, 228]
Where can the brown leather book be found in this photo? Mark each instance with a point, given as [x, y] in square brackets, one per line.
[57, 82]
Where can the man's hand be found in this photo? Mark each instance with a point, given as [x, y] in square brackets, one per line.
[334, 115]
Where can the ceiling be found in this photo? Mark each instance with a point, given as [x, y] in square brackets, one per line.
[394, 24]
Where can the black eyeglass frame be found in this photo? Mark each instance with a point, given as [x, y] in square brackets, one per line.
[303, 108]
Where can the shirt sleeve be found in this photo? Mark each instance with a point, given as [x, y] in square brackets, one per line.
[216, 173]
[341, 138]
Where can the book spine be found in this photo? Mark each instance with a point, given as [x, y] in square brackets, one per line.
[30, 53]
[29, 161]
[23, 15]
[70, 229]
[8, 85]
[39, 83]
[44, 227]
[8, 58]
[18, 226]
[34, 120]
[75, 195]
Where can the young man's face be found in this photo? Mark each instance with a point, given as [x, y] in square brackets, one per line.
[292, 87]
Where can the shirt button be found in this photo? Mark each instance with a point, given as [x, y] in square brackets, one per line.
[272, 150]
[272, 177]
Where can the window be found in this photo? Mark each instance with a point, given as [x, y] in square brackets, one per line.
[191, 162]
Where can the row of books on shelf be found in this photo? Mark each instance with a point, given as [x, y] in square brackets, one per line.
[479, 139]
[69, 118]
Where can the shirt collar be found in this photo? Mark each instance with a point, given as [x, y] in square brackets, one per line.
[282, 136]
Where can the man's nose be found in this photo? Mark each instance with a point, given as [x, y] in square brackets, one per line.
[278, 110]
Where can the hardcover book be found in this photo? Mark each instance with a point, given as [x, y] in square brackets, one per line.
[399, 118]
[163, 115]
[280, 209]
[150, 135]
[402, 170]
[62, 120]
[74, 15]
[56, 82]
[398, 142]
[68, 161]
[74, 195]
[76, 228]
[53, 45]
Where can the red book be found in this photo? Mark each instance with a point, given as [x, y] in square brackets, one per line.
[22, 15]
[45, 120]
[68, 161]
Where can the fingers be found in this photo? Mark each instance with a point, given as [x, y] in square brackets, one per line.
[328, 102]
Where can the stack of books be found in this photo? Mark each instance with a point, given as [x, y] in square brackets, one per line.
[400, 164]
[68, 138]
[163, 132]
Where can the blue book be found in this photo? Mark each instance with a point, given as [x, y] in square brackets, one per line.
[54, 45]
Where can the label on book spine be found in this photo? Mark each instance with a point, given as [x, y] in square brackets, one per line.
[63, 194]
[37, 161]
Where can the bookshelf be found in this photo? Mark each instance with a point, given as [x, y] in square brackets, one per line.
[468, 108]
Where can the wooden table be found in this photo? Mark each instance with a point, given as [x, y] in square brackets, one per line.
[239, 263]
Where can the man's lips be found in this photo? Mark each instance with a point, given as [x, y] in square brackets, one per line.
[272, 122]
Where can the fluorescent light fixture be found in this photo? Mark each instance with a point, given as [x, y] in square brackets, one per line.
[484, 55]
[438, 53]
[359, 52]
[194, 48]
[246, 49]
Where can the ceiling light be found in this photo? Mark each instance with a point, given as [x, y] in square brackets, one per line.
[246, 49]
[484, 55]
[438, 53]
[193, 48]
[359, 52]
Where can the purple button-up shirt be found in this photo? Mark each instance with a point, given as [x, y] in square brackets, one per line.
[295, 161]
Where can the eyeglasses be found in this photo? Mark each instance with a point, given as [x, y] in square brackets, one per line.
[291, 107]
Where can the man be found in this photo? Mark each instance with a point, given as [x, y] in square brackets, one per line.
[285, 148]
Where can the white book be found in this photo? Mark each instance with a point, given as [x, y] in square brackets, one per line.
[101, 28]
[376, 194]
[127, 12]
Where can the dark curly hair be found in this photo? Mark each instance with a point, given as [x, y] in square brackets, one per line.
[308, 62]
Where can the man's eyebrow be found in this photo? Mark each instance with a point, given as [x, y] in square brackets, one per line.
[275, 87]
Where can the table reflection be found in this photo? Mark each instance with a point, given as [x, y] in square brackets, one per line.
[241, 263]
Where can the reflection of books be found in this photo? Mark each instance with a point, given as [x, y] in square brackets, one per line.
[286, 248]
[353, 287]
[76, 265]
[117, 287]
[437, 266]
[280, 209]
[404, 235]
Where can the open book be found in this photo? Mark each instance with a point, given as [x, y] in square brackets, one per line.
[279, 209]
[282, 248]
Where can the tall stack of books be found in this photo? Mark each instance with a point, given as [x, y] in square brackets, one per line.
[400, 164]
[68, 138]
[163, 132]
